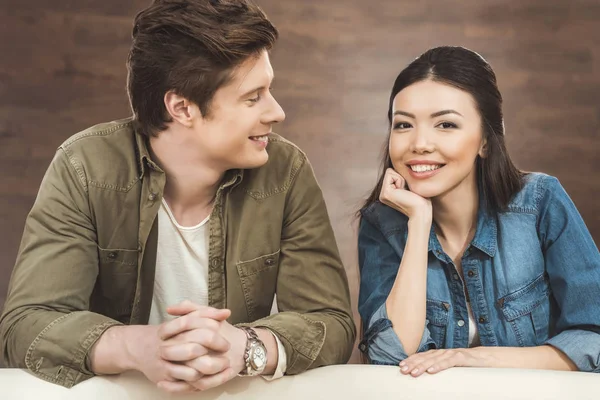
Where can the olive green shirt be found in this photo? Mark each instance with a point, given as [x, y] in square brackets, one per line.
[88, 253]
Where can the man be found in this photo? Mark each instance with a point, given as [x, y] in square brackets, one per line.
[157, 243]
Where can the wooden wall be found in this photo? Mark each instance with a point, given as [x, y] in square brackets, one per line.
[62, 69]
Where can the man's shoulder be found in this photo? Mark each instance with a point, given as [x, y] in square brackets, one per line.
[281, 151]
[276, 176]
[105, 155]
[99, 133]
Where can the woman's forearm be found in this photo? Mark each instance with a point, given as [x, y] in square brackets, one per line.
[406, 303]
[539, 357]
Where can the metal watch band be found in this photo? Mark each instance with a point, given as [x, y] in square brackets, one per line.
[252, 341]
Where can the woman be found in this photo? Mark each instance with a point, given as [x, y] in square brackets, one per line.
[465, 260]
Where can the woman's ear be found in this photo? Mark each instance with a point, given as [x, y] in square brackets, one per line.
[483, 150]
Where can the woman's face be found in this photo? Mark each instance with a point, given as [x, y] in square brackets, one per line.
[435, 138]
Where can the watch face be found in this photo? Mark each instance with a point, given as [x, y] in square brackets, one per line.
[259, 357]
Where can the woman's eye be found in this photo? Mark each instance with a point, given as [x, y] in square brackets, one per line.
[402, 125]
[447, 125]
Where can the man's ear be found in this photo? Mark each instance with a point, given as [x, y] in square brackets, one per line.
[179, 108]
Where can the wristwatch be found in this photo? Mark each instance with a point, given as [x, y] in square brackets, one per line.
[255, 354]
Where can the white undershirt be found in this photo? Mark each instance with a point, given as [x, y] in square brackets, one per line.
[181, 265]
[182, 271]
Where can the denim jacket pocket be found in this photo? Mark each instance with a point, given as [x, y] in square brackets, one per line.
[437, 318]
[259, 281]
[527, 310]
[117, 281]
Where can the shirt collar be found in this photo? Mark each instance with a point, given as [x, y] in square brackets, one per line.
[486, 235]
[485, 238]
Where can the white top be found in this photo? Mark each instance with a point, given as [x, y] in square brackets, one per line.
[182, 271]
[473, 333]
[181, 265]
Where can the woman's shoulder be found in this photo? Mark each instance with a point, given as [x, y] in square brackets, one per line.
[537, 186]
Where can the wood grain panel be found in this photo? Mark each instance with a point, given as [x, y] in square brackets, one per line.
[62, 69]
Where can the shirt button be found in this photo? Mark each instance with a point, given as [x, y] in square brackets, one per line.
[112, 254]
[152, 196]
[269, 261]
[471, 274]
[455, 276]
[482, 320]
[461, 322]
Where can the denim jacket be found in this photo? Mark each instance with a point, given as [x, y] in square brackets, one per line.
[532, 274]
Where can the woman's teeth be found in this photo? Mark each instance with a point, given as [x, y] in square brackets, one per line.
[424, 168]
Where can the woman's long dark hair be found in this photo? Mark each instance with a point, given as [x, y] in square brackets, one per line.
[497, 177]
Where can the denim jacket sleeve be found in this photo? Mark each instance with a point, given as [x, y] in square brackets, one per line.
[379, 263]
[573, 267]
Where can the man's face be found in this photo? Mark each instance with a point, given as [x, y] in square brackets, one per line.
[234, 134]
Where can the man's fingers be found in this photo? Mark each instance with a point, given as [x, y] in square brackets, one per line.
[176, 387]
[180, 372]
[186, 307]
[209, 364]
[188, 322]
[182, 351]
[207, 338]
[209, 382]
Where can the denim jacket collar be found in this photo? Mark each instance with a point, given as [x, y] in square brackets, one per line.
[485, 235]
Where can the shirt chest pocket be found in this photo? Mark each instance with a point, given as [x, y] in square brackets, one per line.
[527, 310]
[259, 281]
[117, 280]
[437, 321]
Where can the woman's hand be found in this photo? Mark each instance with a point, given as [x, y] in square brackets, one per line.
[394, 194]
[434, 361]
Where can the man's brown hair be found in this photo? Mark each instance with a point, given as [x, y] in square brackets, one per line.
[191, 47]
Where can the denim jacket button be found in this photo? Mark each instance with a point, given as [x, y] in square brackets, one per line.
[460, 322]
[455, 276]
[471, 274]
[362, 347]
[482, 320]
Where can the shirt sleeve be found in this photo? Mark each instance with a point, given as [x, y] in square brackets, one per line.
[573, 267]
[281, 361]
[379, 264]
[383, 345]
